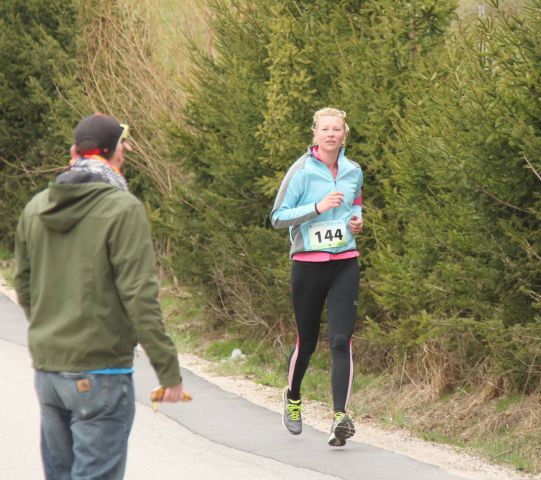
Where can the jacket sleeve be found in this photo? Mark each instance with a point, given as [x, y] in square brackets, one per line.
[22, 269]
[131, 254]
[358, 201]
[286, 212]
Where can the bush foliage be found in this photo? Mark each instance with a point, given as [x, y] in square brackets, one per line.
[38, 45]
[445, 126]
[444, 121]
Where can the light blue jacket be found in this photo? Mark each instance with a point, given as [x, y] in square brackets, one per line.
[306, 183]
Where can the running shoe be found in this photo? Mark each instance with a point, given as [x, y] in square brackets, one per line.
[342, 428]
[292, 414]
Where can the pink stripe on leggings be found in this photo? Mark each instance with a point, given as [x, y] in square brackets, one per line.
[350, 371]
[292, 363]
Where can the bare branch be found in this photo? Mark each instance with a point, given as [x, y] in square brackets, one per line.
[500, 201]
[531, 167]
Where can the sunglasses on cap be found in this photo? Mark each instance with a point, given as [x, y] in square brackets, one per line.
[124, 135]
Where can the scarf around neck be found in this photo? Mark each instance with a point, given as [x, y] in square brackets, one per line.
[102, 167]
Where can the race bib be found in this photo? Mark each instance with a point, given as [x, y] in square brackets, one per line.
[328, 234]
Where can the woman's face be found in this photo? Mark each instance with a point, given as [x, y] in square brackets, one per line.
[330, 133]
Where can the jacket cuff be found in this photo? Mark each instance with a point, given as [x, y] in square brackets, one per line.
[170, 381]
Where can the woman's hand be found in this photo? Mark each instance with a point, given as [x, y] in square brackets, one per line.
[356, 224]
[332, 200]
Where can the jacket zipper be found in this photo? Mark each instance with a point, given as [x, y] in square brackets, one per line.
[334, 180]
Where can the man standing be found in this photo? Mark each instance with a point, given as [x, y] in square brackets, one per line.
[85, 277]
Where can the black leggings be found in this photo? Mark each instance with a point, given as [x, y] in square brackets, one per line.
[313, 283]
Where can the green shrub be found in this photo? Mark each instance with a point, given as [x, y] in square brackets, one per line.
[38, 93]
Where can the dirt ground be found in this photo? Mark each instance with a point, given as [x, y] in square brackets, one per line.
[319, 416]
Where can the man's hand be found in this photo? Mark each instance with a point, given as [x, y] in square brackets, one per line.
[171, 394]
[356, 224]
[174, 394]
[332, 200]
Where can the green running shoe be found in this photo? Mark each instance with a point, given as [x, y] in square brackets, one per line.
[292, 414]
[342, 428]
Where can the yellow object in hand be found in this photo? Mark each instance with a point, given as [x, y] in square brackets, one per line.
[157, 395]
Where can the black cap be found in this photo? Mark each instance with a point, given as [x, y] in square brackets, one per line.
[97, 132]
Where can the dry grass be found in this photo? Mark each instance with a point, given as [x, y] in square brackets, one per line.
[503, 428]
[136, 59]
[174, 21]
[470, 9]
[508, 434]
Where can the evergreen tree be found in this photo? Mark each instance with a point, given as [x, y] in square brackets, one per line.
[379, 69]
[358, 56]
[465, 166]
[218, 218]
[37, 93]
[465, 178]
[249, 118]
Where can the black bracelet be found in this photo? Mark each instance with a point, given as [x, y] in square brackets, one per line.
[317, 211]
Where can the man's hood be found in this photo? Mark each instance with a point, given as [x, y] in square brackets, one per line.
[69, 203]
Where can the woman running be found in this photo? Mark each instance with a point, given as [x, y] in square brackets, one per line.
[320, 201]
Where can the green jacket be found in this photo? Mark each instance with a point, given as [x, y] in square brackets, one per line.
[85, 277]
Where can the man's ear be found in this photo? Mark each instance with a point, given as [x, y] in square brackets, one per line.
[73, 152]
[117, 160]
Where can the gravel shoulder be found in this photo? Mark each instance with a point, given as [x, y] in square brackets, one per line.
[318, 416]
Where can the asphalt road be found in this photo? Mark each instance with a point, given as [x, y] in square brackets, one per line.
[217, 436]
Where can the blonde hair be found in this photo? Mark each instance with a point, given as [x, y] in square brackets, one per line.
[329, 112]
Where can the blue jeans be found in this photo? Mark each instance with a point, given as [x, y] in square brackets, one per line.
[85, 424]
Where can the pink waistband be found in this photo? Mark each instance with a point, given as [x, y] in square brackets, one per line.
[324, 256]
